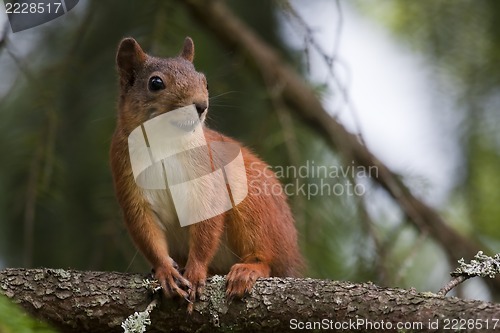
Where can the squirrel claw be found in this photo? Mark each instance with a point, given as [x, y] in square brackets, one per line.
[197, 278]
[242, 277]
[190, 308]
[172, 282]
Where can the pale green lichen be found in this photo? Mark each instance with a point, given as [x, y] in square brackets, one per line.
[482, 265]
[137, 322]
[152, 285]
[61, 273]
[216, 297]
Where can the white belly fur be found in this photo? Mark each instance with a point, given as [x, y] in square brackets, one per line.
[177, 236]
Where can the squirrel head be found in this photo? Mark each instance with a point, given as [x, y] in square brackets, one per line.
[151, 86]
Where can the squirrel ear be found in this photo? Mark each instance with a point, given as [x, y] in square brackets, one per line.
[129, 57]
[188, 49]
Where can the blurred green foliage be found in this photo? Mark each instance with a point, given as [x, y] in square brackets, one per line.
[13, 320]
[461, 40]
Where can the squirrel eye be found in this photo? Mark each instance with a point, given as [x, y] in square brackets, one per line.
[155, 84]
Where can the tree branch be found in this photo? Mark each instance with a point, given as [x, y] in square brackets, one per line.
[235, 34]
[78, 301]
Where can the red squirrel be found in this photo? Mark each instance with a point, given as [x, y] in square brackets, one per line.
[255, 239]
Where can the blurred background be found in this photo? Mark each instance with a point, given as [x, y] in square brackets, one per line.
[418, 81]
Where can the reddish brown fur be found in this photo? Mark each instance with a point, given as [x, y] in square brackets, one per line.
[260, 230]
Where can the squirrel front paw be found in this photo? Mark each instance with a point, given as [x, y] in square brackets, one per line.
[242, 277]
[172, 282]
[197, 277]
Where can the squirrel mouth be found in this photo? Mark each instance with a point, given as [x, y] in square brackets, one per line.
[187, 125]
[184, 119]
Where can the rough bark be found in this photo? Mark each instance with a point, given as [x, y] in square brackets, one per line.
[78, 301]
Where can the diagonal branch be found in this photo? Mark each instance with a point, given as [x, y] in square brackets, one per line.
[235, 34]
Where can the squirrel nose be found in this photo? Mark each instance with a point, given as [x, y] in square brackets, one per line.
[201, 107]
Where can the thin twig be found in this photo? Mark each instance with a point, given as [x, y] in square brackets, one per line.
[452, 284]
[330, 61]
[482, 265]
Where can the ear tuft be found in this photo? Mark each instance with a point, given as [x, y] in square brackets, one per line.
[188, 49]
[129, 58]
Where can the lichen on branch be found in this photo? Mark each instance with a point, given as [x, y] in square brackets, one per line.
[482, 265]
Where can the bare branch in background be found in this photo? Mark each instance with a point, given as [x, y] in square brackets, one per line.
[331, 61]
[234, 33]
[3, 36]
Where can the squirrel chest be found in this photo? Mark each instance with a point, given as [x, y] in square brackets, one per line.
[186, 167]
